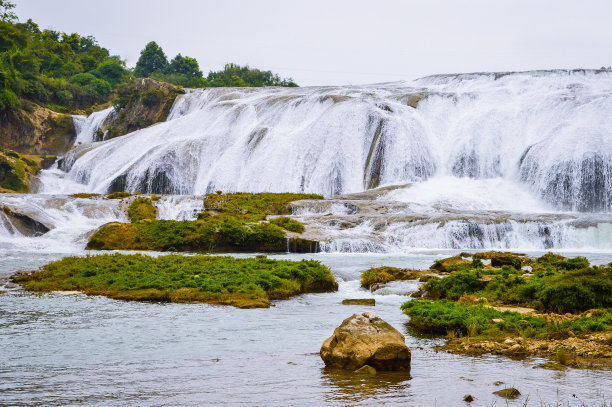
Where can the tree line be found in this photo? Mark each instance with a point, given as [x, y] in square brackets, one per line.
[68, 72]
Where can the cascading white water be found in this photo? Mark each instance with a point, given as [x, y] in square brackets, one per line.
[179, 207]
[517, 143]
[547, 131]
[87, 126]
[69, 219]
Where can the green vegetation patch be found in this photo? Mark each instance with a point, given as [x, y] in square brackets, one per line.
[462, 319]
[248, 207]
[118, 195]
[229, 223]
[228, 235]
[142, 209]
[289, 224]
[244, 283]
[383, 275]
[557, 284]
[16, 170]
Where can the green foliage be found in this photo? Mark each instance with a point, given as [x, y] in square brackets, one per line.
[455, 285]
[236, 75]
[142, 208]
[118, 195]
[152, 97]
[443, 316]
[6, 13]
[558, 284]
[385, 274]
[58, 70]
[249, 282]
[230, 222]
[182, 70]
[112, 71]
[289, 224]
[152, 59]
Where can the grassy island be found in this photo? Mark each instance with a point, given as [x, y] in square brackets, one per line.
[517, 306]
[234, 222]
[243, 283]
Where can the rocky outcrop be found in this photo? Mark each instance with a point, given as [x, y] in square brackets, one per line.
[365, 339]
[17, 169]
[139, 104]
[37, 130]
[21, 223]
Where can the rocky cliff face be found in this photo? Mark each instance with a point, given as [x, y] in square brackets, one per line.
[37, 131]
[139, 104]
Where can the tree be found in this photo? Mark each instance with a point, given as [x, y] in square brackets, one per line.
[236, 75]
[185, 66]
[152, 59]
[6, 13]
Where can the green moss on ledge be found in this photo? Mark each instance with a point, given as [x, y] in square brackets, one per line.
[214, 235]
[229, 223]
[383, 275]
[142, 209]
[244, 283]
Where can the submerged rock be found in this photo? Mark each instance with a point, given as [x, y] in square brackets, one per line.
[366, 370]
[365, 339]
[509, 393]
[359, 301]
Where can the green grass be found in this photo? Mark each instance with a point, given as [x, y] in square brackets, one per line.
[142, 209]
[557, 285]
[462, 319]
[247, 283]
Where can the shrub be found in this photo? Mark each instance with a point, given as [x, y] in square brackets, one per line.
[152, 97]
[288, 224]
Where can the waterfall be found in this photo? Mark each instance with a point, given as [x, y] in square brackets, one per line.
[549, 132]
[87, 126]
[69, 220]
[468, 161]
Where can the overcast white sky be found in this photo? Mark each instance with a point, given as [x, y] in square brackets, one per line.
[319, 42]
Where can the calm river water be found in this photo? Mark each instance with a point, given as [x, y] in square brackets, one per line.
[58, 349]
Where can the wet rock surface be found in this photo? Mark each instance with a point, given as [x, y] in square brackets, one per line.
[365, 339]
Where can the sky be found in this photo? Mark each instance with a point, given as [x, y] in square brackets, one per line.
[338, 42]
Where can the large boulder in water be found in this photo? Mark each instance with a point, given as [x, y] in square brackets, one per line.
[365, 339]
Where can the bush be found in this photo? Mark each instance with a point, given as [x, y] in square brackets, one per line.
[289, 224]
[8, 100]
[442, 317]
[152, 97]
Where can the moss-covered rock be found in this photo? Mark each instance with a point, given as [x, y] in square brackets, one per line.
[377, 276]
[17, 169]
[142, 209]
[139, 104]
[197, 236]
